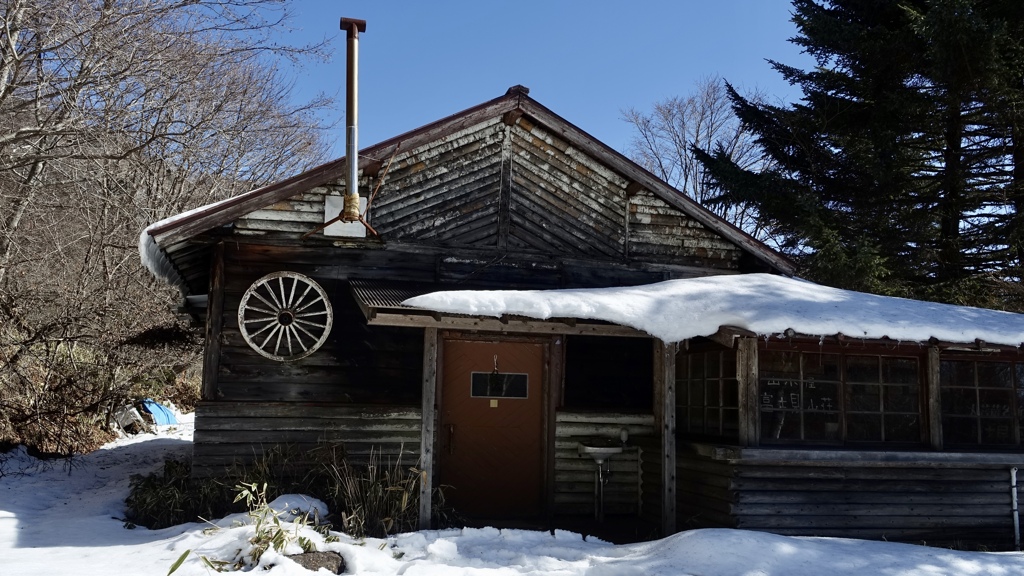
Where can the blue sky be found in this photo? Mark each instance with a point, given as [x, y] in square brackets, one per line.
[585, 60]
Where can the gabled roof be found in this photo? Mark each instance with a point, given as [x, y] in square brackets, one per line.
[171, 235]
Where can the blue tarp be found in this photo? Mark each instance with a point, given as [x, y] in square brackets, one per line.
[161, 414]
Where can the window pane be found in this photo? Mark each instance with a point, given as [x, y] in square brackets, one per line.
[956, 373]
[683, 393]
[712, 422]
[821, 367]
[682, 367]
[959, 401]
[712, 396]
[729, 364]
[780, 425]
[959, 430]
[730, 422]
[780, 394]
[697, 419]
[902, 428]
[997, 430]
[498, 385]
[696, 366]
[863, 398]
[995, 403]
[697, 393]
[730, 394]
[784, 365]
[821, 396]
[995, 374]
[862, 369]
[864, 427]
[713, 365]
[821, 426]
[899, 370]
[901, 399]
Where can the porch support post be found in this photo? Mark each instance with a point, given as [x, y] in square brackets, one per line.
[214, 323]
[428, 424]
[665, 415]
[747, 376]
[934, 399]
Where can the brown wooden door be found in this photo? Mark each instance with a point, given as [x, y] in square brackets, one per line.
[492, 426]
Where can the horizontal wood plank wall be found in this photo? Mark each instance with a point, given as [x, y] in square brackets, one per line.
[574, 473]
[941, 501]
[651, 478]
[659, 232]
[357, 364]
[229, 432]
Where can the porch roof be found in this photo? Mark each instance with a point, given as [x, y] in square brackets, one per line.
[383, 304]
[761, 304]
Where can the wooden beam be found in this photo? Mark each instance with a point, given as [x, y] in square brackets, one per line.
[509, 325]
[934, 399]
[512, 116]
[727, 336]
[555, 357]
[665, 416]
[747, 376]
[214, 323]
[428, 425]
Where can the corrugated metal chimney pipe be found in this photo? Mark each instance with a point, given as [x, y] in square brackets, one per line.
[352, 27]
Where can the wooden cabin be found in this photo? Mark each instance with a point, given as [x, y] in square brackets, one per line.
[308, 340]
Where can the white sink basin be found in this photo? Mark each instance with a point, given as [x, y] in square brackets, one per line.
[599, 453]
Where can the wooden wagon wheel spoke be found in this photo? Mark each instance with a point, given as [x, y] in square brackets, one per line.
[282, 302]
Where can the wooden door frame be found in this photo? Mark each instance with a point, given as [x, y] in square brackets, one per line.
[552, 349]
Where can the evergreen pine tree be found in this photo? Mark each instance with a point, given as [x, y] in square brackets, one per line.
[896, 171]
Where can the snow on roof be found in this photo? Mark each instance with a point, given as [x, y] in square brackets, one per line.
[154, 258]
[767, 304]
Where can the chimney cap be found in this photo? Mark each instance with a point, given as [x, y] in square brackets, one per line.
[349, 23]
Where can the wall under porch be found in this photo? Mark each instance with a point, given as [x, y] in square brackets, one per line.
[228, 433]
[960, 500]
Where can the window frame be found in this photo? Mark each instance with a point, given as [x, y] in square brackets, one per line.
[843, 383]
[1014, 412]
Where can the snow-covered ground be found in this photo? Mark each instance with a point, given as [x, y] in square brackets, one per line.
[59, 521]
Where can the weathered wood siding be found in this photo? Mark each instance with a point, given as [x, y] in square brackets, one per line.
[561, 199]
[230, 432]
[574, 473]
[661, 233]
[945, 499]
[651, 480]
[513, 187]
[445, 192]
[357, 364]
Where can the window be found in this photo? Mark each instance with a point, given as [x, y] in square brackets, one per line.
[499, 385]
[707, 394]
[882, 399]
[982, 402]
[609, 373]
[838, 398]
[799, 396]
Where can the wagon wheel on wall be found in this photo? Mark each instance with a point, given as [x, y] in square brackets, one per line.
[285, 316]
